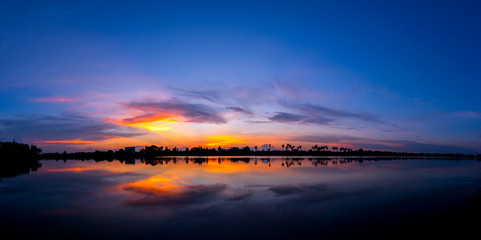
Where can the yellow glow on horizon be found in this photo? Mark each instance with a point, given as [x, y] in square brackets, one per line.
[154, 123]
[213, 141]
[156, 126]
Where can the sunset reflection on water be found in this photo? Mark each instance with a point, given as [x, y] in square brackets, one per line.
[218, 197]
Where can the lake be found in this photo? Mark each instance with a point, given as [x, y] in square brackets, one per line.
[235, 197]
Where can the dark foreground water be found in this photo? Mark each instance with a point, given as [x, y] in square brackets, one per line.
[235, 198]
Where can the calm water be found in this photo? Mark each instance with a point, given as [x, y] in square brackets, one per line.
[232, 198]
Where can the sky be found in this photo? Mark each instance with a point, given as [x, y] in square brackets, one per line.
[380, 75]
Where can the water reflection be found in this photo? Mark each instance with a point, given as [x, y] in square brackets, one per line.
[76, 169]
[12, 168]
[167, 192]
[286, 161]
[234, 197]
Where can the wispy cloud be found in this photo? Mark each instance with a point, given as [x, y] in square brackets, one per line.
[283, 117]
[208, 95]
[305, 113]
[52, 99]
[324, 139]
[240, 110]
[316, 111]
[239, 96]
[293, 89]
[65, 141]
[467, 114]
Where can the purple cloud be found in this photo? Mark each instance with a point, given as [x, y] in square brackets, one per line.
[329, 138]
[191, 112]
[240, 110]
[316, 112]
[211, 95]
[283, 117]
[62, 127]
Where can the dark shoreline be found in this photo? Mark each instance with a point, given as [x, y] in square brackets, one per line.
[110, 155]
[13, 150]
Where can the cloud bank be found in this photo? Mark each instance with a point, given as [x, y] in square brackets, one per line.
[62, 128]
[188, 112]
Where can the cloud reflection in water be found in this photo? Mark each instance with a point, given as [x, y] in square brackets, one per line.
[218, 198]
[167, 192]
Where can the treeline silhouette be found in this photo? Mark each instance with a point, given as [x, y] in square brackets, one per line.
[18, 158]
[153, 151]
[96, 155]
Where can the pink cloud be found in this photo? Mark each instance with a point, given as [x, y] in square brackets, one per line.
[53, 99]
[66, 141]
[468, 114]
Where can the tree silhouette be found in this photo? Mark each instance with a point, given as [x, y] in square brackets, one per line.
[18, 158]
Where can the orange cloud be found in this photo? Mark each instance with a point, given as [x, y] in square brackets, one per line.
[156, 122]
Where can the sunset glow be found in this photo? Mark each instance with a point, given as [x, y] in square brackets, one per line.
[188, 75]
[240, 119]
[214, 141]
[153, 125]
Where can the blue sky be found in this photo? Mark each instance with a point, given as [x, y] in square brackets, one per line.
[396, 75]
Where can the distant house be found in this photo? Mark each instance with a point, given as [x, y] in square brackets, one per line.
[129, 150]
